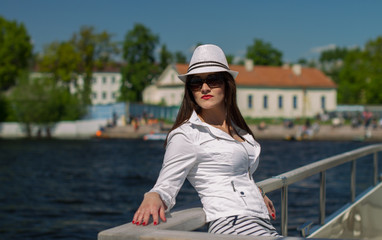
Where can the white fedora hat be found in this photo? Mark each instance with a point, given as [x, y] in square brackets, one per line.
[208, 58]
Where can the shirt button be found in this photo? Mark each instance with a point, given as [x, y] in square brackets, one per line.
[242, 193]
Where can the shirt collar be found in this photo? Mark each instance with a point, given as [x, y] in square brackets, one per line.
[194, 119]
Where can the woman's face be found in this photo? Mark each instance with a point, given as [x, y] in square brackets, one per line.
[208, 90]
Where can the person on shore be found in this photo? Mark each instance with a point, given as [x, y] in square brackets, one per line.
[211, 145]
[367, 116]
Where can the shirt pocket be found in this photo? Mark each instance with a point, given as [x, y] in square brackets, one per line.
[217, 157]
[239, 193]
[218, 149]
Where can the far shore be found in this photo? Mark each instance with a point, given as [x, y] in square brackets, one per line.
[271, 132]
[91, 129]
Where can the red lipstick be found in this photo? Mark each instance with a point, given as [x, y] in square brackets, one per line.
[206, 97]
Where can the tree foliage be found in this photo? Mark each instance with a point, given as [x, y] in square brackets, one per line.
[105, 49]
[361, 75]
[61, 60]
[15, 51]
[180, 57]
[138, 52]
[331, 62]
[165, 56]
[263, 53]
[350, 83]
[335, 54]
[230, 58]
[4, 107]
[64, 61]
[95, 51]
[307, 63]
[42, 102]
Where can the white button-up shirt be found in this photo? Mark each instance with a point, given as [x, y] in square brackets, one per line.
[219, 167]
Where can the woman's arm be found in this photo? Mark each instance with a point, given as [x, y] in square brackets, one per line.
[179, 159]
[269, 204]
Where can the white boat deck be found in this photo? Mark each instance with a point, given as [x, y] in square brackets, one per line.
[360, 220]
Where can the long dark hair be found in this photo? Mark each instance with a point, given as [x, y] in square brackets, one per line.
[233, 113]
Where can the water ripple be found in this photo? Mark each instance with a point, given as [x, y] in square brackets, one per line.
[72, 189]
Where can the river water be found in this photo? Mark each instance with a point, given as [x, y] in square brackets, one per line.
[72, 189]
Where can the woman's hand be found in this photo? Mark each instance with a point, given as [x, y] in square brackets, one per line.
[152, 205]
[271, 208]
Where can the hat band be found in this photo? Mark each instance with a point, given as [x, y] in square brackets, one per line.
[206, 64]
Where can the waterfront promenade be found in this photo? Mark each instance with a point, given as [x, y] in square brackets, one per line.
[83, 130]
[275, 132]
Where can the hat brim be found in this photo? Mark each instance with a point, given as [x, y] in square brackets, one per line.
[183, 77]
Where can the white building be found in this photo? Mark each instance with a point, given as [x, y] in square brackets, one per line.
[262, 91]
[168, 89]
[105, 86]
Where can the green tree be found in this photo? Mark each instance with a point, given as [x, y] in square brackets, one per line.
[105, 49]
[165, 57]
[95, 50]
[360, 76]
[373, 71]
[85, 43]
[15, 52]
[263, 53]
[351, 84]
[307, 63]
[138, 52]
[302, 61]
[230, 58]
[332, 61]
[180, 57]
[61, 60]
[3, 108]
[330, 55]
[43, 103]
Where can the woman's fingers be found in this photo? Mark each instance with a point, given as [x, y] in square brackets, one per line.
[142, 216]
[272, 210]
[146, 217]
[152, 205]
[155, 217]
[162, 214]
[137, 217]
[270, 207]
[156, 214]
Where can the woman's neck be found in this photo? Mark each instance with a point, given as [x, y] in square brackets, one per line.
[214, 117]
[217, 119]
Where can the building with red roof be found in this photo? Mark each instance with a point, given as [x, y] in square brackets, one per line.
[262, 91]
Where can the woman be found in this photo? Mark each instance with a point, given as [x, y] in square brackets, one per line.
[213, 147]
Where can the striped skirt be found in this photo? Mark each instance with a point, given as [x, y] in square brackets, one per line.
[243, 225]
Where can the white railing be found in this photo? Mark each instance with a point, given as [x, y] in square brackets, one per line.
[282, 181]
[180, 223]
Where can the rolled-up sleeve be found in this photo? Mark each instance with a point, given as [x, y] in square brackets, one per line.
[179, 159]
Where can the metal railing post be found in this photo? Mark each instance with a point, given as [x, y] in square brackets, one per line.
[322, 197]
[284, 210]
[352, 180]
[375, 168]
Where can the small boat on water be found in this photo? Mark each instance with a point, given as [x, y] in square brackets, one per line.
[154, 136]
[361, 218]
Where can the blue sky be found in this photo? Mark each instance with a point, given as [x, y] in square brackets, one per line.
[298, 28]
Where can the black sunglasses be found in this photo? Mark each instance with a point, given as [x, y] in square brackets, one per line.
[215, 80]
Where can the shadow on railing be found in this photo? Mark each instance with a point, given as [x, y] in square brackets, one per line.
[180, 224]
